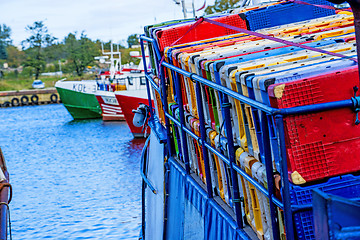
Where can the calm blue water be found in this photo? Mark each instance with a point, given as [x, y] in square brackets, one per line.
[71, 179]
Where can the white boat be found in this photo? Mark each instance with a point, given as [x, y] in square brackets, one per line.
[79, 97]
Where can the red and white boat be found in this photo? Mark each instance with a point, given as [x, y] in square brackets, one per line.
[110, 107]
[125, 92]
[130, 100]
[111, 110]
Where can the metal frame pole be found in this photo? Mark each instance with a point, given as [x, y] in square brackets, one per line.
[165, 108]
[182, 123]
[225, 107]
[289, 224]
[203, 140]
[269, 172]
[147, 81]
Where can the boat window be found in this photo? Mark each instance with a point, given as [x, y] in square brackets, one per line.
[131, 81]
[142, 81]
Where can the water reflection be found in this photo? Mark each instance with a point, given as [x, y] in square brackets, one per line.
[71, 179]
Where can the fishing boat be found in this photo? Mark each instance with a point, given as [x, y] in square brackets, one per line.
[128, 82]
[255, 128]
[111, 110]
[129, 101]
[79, 97]
[128, 92]
[5, 199]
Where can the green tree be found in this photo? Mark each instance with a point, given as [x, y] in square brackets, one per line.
[38, 40]
[80, 52]
[55, 52]
[15, 56]
[222, 5]
[5, 40]
[106, 45]
[133, 39]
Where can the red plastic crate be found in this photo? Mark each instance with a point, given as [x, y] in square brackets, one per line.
[203, 31]
[322, 144]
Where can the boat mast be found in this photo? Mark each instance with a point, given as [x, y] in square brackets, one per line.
[115, 62]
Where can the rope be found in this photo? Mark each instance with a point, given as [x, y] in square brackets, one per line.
[175, 42]
[220, 130]
[277, 39]
[3, 185]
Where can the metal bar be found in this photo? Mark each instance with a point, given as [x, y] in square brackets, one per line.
[210, 201]
[165, 108]
[154, 45]
[147, 82]
[182, 123]
[203, 140]
[221, 156]
[316, 107]
[230, 141]
[153, 84]
[261, 106]
[148, 183]
[277, 202]
[262, 189]
[299, 208]
[197, 138]
[289, 224]
[222, 89]
[269, 172]
[143, 167]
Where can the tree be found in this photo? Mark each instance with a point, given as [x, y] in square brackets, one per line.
[3, 53]
[80, 52]
[55, 52]
[39, 39]
[5, 40]
[15, 56]
[133, 39]
[222, 5]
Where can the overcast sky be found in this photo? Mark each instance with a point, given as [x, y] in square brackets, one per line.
[100, 19]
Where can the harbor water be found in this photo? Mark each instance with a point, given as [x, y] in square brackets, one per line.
[71, 179]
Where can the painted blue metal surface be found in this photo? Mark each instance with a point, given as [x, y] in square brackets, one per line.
[347, 186]
[335, 217]
[217, 223]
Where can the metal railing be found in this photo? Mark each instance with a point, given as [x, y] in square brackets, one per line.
[227, 156]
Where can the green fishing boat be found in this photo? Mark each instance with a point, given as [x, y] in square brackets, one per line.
[79, 98]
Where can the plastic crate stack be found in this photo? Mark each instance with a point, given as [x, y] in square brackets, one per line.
[321, 147]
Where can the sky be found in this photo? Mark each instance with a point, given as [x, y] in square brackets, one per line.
[100, 19]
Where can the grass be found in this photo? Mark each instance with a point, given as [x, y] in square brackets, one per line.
[9, 83]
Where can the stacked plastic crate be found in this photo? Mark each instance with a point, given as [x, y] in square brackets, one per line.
[320, 147]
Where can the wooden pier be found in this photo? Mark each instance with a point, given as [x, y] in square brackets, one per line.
[29, 97]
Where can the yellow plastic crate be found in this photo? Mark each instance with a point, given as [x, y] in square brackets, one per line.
[191, 147]
[251, 204]
[219, 166]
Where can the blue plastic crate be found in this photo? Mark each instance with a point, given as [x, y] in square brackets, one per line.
[285, 13]
[347, 186]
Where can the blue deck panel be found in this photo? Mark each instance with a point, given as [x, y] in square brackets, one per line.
[186, 196]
